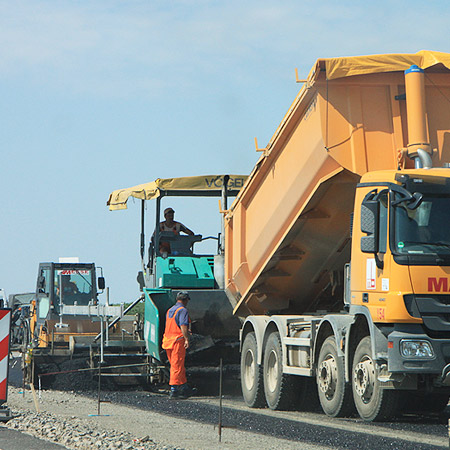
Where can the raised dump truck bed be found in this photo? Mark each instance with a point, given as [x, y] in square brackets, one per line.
[288, 234]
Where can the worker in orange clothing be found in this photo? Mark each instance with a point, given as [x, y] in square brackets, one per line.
[176, 342]
[171, 225]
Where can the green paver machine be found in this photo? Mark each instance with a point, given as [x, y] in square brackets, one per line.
[163, 274]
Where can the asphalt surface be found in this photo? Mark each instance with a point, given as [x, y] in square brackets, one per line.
[15, 440]
[405, 433]
[265, 422]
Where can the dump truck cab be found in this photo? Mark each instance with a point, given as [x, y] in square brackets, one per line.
[400, 265]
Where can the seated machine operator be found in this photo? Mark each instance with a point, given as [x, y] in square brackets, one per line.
[171, 225]
[68, 287]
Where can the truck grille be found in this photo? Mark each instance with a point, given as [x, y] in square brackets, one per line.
[434, 310]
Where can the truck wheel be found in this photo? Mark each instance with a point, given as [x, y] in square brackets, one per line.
[279, 388]
[251, 378]
[334, 393]
[372, 401]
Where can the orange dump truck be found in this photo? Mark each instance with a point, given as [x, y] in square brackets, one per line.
[338, 246]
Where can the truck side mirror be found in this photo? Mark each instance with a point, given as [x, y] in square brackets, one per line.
[101, 283]
[370, 212]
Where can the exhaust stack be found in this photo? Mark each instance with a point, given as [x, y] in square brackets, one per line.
[418, 147]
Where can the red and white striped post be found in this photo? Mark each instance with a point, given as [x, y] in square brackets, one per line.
[5, 328]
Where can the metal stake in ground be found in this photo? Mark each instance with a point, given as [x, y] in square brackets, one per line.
[99, 389]
[24, 372]
[220, 401]
[99, 386]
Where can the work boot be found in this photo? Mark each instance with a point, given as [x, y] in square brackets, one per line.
[186, 391]
[174, 392]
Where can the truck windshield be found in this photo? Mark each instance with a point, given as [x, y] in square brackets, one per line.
[424, 230]
[73, 286]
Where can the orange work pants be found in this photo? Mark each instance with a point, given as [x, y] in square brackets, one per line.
[176, 356]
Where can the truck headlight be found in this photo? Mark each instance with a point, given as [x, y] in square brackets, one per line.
[411, 348]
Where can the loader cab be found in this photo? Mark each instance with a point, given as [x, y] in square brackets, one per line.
[64, 284]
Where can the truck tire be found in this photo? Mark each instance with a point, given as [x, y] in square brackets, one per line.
[372, 401]
[251, 374]
[279, 388]
[334, 393]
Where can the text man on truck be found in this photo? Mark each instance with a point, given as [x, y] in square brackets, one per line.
[338, 246]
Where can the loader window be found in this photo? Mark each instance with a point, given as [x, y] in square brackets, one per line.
[73, 287]
[44, 306]
[43, 296]
[44, 281]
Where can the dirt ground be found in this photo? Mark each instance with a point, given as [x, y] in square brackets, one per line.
[162, 429]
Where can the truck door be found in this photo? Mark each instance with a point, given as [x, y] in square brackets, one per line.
[377, 281]
[371, 257]
[378, 265]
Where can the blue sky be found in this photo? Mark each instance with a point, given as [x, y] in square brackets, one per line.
[101, 95]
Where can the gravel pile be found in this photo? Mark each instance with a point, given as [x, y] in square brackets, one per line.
[76, 435]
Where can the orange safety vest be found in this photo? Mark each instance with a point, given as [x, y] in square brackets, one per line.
[172, 332]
